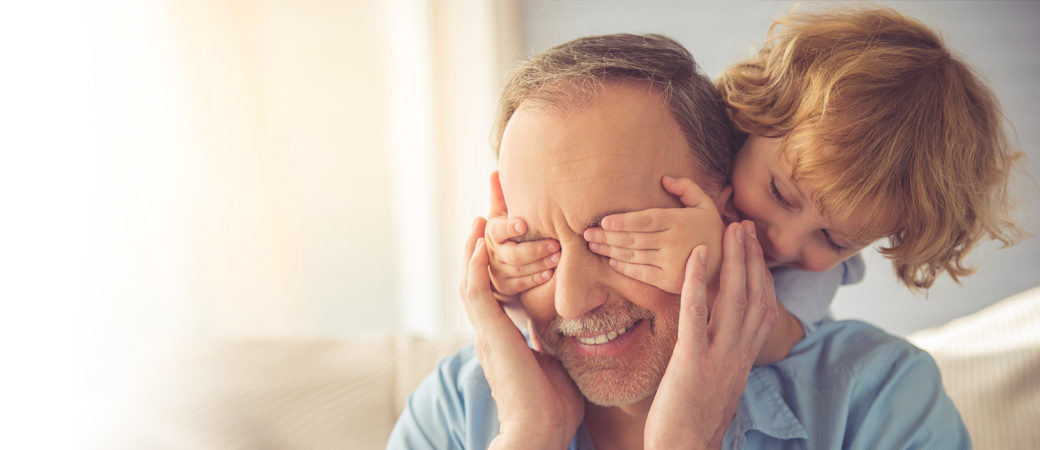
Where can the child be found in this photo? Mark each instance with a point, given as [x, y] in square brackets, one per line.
[856, 125]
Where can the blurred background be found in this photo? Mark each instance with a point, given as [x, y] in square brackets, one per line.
[308, 169]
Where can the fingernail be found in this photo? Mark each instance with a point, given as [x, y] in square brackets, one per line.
[702, 255]
[546, 274]
[740, 234]
[605, 224]
[751, 231]
[612, 262]
[480, 242]
[519, 227]
[593, 246]
[555, 258]
[551, 247]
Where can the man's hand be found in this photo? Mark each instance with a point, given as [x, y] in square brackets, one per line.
[538, 404]
[515, 267]
[708, 371]
[653, 245]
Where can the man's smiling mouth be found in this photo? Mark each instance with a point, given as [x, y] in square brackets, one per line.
[607, 337]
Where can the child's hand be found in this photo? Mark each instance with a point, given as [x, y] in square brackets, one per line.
[653, 245]
[515, 267]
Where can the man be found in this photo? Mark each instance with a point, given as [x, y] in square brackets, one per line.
[588, 129]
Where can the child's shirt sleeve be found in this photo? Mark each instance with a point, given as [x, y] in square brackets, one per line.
[808, 295]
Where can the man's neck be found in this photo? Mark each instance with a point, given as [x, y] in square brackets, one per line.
[618, 426]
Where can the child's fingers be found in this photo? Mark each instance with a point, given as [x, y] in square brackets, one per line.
[524, 253]
[512, 286]
[520, 270]
[647, 220]
[648, 274]
[690, 194]
[644, 257]
[501, 229]
[625, 239]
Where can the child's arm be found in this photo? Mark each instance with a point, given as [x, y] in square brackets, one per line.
[653, 245]
[787, 332]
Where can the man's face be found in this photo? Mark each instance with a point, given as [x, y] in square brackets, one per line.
[562, 171]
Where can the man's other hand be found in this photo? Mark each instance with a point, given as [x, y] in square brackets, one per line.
[538, 404]
[714, 352]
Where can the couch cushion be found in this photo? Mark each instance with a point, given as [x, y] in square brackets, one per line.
[990, 363]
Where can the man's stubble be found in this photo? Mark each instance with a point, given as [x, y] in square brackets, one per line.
[620, 380]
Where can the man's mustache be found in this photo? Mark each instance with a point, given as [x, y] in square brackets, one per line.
[601, 320]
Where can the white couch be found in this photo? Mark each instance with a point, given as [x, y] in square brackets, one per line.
[347, 394]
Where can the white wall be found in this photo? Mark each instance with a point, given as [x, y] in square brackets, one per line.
[998, 38]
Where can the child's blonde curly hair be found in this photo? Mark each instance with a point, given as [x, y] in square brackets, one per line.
[878, 114]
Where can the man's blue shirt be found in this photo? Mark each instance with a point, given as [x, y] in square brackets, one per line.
[847, 385]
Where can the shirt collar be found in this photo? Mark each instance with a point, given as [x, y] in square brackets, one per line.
[764, 410]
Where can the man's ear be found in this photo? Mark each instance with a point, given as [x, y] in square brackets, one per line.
[724, 202]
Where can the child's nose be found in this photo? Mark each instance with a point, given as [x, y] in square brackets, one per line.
[785, 242]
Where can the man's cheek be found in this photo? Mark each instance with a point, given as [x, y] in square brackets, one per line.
[538, 302]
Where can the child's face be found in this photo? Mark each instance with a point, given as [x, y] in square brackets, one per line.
[790, 227]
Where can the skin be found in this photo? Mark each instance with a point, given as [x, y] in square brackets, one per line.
[561, 173]
[676, 375]
[791, 228]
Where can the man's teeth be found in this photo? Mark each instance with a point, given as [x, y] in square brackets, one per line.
[603, 338]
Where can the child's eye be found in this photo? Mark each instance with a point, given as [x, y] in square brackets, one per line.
[776, 194]
[830, 242]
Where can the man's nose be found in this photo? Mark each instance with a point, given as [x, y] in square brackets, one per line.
[577, 288]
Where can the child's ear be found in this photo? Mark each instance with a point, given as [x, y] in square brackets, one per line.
[724, 202]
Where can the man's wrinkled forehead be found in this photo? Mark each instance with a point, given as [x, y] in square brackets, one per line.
[606, 156]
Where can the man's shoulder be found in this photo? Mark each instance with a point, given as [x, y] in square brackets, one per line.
[458, 376]
[851, 385]
[462, 368]
[451, 408]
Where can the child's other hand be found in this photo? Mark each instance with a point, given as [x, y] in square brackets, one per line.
[515, 266]
[653, 245]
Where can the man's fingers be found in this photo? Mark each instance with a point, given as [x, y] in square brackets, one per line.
[647, 220]
[485, 313]
[498, 200]
[690, 194]
[756, 284]
[693, 313]
[475, 232]
[731, 301]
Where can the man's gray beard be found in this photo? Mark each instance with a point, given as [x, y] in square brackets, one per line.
[612, 381]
